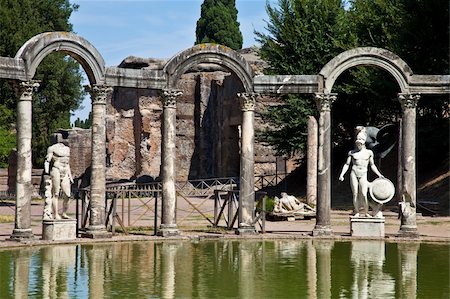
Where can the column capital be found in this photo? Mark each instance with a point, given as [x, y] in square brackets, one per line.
[247, 101]
[24, 89]
[98, 93]
[408, 100]
[169, 97]
[324, 100]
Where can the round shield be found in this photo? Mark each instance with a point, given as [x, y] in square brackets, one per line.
[381, 190]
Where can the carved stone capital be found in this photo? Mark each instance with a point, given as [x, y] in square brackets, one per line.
[247, 101]
[98, 93]
[24, 90]
[169, 98]
[324, 101]
[408, 100]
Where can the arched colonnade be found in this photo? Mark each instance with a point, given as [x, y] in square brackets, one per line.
[21, 70]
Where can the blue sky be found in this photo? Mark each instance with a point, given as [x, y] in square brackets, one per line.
[151, 28]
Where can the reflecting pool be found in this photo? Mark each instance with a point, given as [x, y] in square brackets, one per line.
[228, 269]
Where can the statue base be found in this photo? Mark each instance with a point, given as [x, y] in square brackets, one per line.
[168, 230]
[59, 230]
[322, 231]
[367, 227]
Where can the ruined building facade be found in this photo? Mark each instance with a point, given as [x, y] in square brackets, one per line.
[207, 127]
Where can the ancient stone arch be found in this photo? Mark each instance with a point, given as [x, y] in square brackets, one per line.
[28, 58]
[209, 53]
[377, 57]
[39, 46]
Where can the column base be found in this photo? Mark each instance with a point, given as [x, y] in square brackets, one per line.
[246, 231]
[96, 232]
[322, 231]
[408, 231]
[168, 230]
[22, 234]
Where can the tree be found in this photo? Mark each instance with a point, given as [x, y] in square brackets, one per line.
[84, 124]
[60, 77]
[218, 24]
[302, 36]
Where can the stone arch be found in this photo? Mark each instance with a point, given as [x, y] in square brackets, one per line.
[209, 53]
[39, 46]
[378, 57]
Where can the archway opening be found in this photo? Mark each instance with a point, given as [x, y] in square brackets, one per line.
[366, 96]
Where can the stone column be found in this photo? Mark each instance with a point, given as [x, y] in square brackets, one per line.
[323, 225]
[311, 177]
[168, 155]
[97, 227]
[22, 227]
[247, 171]
[408, 226]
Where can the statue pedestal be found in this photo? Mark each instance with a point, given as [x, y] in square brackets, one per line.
[59, 230]
[367, 227]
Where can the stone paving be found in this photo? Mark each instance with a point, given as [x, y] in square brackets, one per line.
[430, 228]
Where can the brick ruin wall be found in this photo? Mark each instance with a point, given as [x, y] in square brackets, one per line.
[208, 126]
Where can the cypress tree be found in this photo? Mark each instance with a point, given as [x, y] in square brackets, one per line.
[218, 24]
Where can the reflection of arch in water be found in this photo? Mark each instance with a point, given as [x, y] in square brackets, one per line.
[370, 56]
[41, 45]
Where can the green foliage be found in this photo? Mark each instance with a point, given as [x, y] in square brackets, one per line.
[60, 77]
[7, 142]
[218, 24]
[303, 35]
[84, 124]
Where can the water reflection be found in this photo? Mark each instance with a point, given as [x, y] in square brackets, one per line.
[218, 269]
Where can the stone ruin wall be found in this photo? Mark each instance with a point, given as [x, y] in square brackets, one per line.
[208, 125]
[208, 128]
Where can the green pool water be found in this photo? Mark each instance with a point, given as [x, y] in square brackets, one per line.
[228, 269]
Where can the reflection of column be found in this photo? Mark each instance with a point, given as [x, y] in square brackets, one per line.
[168, 257]
[96, 259]
[312, 270]
[21, 273]
[247, 288]
[407, 253]
[55, 267]
[168, 155]
[247, 175]
[311, 178]
[408, 226]
[96, 227]
[323, 252]
[24, 187]
[323, 225]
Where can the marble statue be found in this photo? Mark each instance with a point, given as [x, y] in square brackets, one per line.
[361, 158]
[287, 203]
[58, 177]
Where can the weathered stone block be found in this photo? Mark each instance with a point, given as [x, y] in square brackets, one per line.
[367, 227]
[58, 230]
